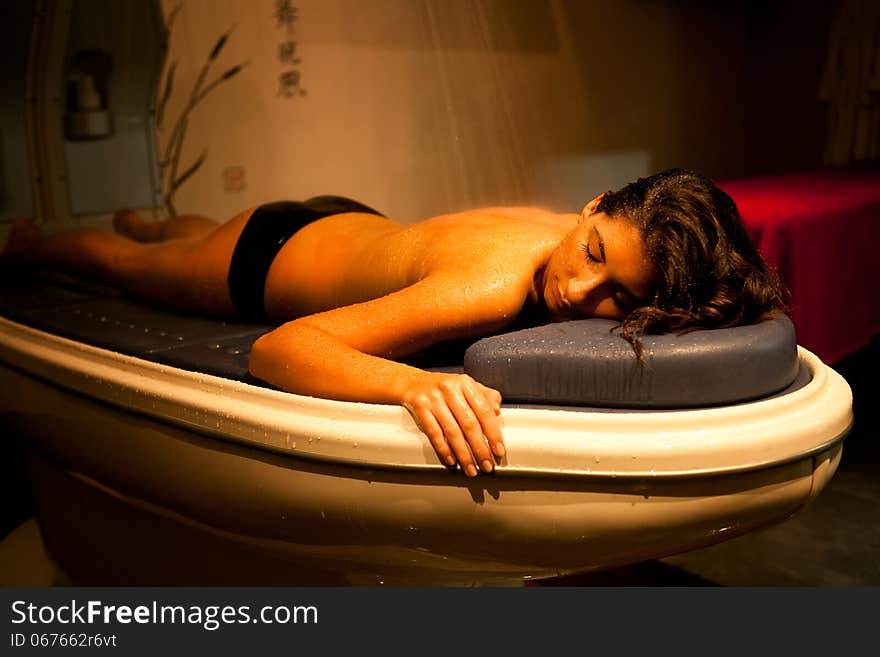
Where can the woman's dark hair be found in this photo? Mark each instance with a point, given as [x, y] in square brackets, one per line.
[709, 273]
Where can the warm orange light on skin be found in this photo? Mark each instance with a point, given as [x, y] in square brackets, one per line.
[599, 269]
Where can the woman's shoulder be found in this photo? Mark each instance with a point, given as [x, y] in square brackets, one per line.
[513, 221]
[491, 233]
[492, 255]
[532, 215]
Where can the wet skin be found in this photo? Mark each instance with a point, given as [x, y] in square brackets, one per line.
[394, 290]
[354, 293]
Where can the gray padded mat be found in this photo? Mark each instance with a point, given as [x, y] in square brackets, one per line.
[103, 317]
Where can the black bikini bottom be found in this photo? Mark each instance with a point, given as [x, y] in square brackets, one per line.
[268, 229]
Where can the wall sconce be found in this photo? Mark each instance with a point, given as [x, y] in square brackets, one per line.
[88, 93]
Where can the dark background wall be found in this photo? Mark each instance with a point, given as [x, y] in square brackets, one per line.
[729, 88]
[786, 45]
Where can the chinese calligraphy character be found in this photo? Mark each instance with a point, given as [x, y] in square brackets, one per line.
[287, 52]
[290, 80]
[289, 84]
[285, 13]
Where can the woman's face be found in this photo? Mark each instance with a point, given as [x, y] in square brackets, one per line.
[600, 269]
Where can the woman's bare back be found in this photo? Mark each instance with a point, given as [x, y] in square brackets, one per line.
[353, 258]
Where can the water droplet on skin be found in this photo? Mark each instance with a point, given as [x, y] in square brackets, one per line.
[598, 459]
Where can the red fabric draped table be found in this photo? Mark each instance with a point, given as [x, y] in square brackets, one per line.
[820, 231]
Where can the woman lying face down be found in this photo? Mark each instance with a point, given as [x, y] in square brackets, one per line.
[353, 291]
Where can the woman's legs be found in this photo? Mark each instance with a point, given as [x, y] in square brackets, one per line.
[84, 252]
[185, 273]
[130, 224]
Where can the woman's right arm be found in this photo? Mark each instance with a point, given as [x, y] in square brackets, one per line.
[347, 354]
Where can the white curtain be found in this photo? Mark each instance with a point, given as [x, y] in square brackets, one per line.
[851, 84]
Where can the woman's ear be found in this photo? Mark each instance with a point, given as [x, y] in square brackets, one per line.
[590, 207]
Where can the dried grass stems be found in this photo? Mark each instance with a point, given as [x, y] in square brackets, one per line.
[170, 163]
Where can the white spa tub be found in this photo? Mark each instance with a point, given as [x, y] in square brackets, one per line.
[148, 474]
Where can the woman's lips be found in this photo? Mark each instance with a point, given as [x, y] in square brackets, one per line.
[563, 306]
[562, 300]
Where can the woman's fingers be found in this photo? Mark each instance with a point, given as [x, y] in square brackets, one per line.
[487, 407]
[494, 397]
[429, 425]
[470, 410]
[440, 425]
[460, 418]
[453, 432]
[496, 440]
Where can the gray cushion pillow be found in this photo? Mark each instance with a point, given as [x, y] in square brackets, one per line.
[584, 363]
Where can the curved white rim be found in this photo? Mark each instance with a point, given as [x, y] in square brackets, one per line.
[539, 441]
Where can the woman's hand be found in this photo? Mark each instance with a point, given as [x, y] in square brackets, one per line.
[460, 418]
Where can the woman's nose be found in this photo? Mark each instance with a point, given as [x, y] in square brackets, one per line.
[589, 298]
[581, 288]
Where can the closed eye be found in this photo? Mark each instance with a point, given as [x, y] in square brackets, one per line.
[585, 247]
